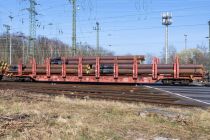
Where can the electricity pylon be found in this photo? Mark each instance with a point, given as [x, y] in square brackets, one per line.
[7, 50]
[32, 28]
[74, 26]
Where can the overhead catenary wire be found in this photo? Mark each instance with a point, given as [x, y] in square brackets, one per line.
[104, 19]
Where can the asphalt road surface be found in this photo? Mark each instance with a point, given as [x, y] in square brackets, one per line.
[197, 93]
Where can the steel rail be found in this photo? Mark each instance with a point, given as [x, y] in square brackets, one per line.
[105, 92]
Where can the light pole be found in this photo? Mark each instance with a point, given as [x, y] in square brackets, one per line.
[209, 50]
[209, 38]
[97, 28]
[185, 44]
[166, 20]
[10, 41]
[51, 47]
[209, 43]
[185, 41]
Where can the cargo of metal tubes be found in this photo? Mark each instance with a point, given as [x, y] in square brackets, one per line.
[108, 69]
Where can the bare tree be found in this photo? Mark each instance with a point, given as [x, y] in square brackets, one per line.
[197, 55]
[45, 48]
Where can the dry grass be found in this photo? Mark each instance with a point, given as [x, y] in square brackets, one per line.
[30, 116]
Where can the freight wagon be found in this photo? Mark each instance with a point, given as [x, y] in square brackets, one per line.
[108, 69]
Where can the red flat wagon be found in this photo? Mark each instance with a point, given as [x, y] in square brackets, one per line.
[109, 69]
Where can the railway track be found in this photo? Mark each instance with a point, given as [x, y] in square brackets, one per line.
[106, 92]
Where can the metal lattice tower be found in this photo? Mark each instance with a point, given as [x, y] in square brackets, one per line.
[74, 26]
[6, 49]
[32, 27]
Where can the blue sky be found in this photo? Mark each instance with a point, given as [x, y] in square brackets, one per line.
[127, 26]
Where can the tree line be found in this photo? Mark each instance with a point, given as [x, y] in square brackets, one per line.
[44, 48]
[53, 48]
[197, 55]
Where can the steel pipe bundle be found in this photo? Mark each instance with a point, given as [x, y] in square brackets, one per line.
[123, 69]
[139, 57]
[108, 69]
[102, 62]
[106, 60]
[125, 66]
[191, 66]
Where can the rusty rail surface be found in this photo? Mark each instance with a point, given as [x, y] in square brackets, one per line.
[105, 92]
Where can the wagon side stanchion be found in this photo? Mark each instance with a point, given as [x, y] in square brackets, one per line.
[64, 68]
[48, 68]
[20, 68]
[116, 68]
[34, 67]
[178, 67]
[154, 69]
[80, 68]
[135, 68]
[97, 68]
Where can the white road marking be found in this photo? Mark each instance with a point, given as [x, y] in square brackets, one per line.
[179, 95]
